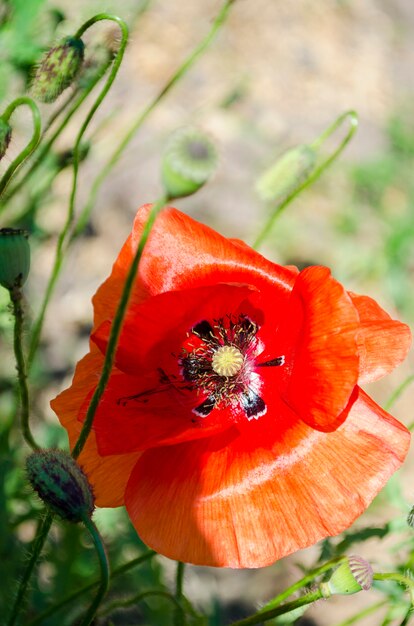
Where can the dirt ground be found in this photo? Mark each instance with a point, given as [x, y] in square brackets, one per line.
[291, 69]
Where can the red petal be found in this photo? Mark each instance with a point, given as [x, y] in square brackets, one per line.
[182, 253]
[383, 343]
[136, 413]
[156, 329]
[229, 502]
[108, 475]
[321, 324]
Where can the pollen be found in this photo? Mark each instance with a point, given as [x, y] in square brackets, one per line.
[227, 361]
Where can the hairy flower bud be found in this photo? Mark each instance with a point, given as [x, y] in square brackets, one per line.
[188, 162]
[353, 575]
[5, 136]
[61, 484]
[58, 69]
[289, 171]
[14, 257]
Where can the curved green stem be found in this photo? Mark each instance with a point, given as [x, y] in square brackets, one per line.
[104, 565]
[16, 299]
[114, 158]
[139, 597]
[358, 616]
[37, 328]
[405, 581]
[303, 582]
[397, 393]
[39, 541]
[179, 617]
[352, 117]
[27, 151]
[264, 616]
[122, 569]
[116, 329]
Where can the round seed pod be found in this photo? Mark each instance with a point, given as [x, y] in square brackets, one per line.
[14, 257]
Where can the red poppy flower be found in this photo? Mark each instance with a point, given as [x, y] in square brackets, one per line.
[233, 427]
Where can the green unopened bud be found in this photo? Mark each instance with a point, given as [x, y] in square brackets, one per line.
[58, 69]
[353, 575]
[14, 257]
[410, 518]
[289, 171]
[61, 484]
[5, 136]
[189, 161]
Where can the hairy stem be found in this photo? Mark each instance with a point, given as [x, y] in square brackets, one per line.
[114, 158]
[60, 248]
[38, 543]
[264, 616]
[122, 569]
[116, 330]
[104, 565]
[16, 299]
[352, 117]
[27, 151]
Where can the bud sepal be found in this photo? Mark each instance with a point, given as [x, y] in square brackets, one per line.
[14, 257]
[61, 484]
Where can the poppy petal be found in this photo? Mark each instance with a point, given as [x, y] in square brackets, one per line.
[227, 501]
[136, 413]
[182, 253]
[321, 328]
[157, 328]
[383, 342]
[108, 476]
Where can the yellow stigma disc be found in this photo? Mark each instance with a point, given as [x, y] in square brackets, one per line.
[227, 361]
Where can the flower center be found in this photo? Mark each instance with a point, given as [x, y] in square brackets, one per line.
[227, 361]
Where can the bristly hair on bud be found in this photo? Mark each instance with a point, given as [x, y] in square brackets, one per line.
[14, 257]
[61, 484]
[5, 136]
[353, 575]
[58, 69]
[189, 160]
[410, 518]
[284, 176]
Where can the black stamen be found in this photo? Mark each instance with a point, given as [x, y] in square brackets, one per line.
[252, 405]
[205, 407]
[280, 360]
[204, 330]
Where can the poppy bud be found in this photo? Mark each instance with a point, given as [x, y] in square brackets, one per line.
[410, 518]
[189, 160]
[353, 575]
[5, 136]
[61, 484]
[289, 171]
[58, 69]
[14, 257]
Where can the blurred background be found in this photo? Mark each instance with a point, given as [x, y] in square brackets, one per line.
[277, 75]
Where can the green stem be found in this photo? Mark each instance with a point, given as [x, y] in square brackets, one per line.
[139, 597]
[264, 616]
[37, 328]
[104, 565]
[303, 582]
[39, 541]
[114, 158]
[179, 617]
[16, 299]
[397, 393]
[27, 151]
[316, 173]
[370, 609]
[122, 569]
[405, 581]
[116, 330]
